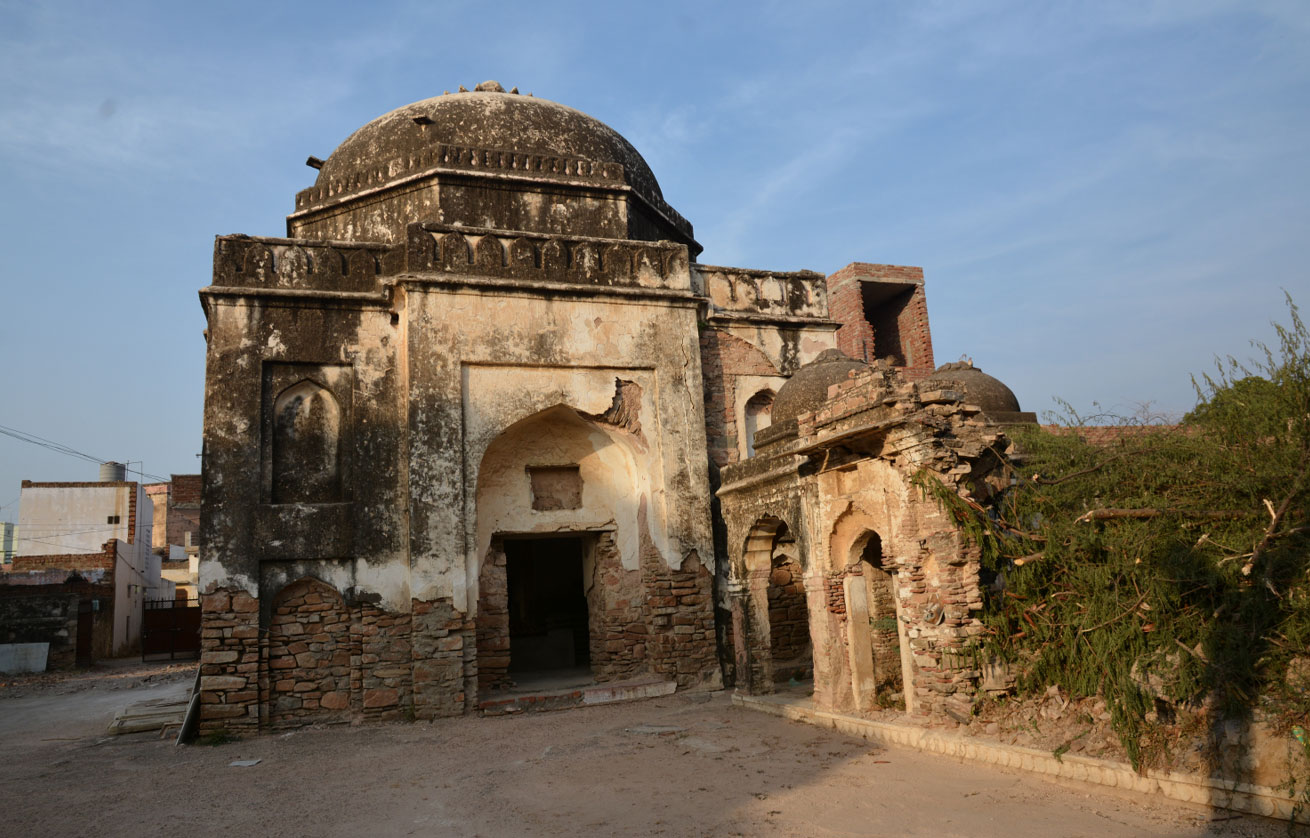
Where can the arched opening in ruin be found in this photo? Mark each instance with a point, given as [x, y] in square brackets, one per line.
[879, 647]
[306, 442]
[880, 597]
[557, 504]
[308, 654]
[759, 410]
[780, 645]
[789, 617]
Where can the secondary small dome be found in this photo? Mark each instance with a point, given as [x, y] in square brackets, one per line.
[979, 388]
[808, 388]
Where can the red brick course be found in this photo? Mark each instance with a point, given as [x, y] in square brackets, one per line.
[856, 337]
[724, 357]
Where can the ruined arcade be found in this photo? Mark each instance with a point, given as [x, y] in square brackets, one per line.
[483, 417]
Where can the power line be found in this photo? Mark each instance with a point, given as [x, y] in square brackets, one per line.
[60, 448]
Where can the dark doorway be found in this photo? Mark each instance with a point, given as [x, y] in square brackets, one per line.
[548, 619]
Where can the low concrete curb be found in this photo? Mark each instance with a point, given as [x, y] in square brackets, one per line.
[1189, 788]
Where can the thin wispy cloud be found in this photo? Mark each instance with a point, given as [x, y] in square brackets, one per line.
[1103, 194]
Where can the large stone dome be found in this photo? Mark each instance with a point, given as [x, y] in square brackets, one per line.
[488, 118]
[489, 159]
[808, 388]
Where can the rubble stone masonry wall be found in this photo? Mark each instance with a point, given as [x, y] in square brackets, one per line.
[323, 658]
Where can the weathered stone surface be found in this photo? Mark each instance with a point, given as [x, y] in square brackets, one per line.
[380, 698]
[512, 355]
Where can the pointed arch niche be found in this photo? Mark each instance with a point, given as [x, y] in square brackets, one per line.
[757, 417]
[306, 424]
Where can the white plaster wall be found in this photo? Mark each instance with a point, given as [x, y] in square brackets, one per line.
[145, 518]
[129, 597]
[72, 519]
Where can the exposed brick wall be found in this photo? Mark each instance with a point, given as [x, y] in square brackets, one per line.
[131, 513]
[789, 624]
[383, 677]
[229, 662]
[856, 336]
[323, 658]
[682, 644]
[846, 306]
[444, 653]
[104, 560]
[493, 621]
[724, 357]
[618, 631]
[834, 594]
[185, 489]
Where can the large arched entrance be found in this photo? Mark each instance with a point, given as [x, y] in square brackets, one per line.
[560, 589]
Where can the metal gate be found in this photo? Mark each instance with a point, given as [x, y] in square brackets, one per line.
[171, 627]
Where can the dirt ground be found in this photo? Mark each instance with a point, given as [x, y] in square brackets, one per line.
[685, 765]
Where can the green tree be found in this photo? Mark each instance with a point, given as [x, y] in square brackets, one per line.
[1168, 566]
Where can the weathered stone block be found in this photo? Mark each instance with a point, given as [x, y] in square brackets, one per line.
[380, 697]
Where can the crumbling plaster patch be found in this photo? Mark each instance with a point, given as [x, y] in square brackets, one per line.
[214, 576]
[386, 577]
[787, 349]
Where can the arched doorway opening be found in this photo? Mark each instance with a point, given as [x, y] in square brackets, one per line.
[560, 506]
[771, 621]
[884, 627]
[789, 618]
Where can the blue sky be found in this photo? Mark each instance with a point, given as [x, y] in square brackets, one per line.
[1104, 196]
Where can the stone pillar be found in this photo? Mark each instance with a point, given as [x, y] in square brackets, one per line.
[859, 645]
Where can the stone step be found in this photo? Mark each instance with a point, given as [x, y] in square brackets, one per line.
[582, 696]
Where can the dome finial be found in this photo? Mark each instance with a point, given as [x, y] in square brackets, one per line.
[489, 87]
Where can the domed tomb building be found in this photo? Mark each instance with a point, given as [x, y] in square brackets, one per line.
[464, 427]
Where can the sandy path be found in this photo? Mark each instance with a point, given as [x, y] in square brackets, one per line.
[669, 766]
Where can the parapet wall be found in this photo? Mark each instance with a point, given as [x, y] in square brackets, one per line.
[547, 258]
[302, 264]
[774, 294]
